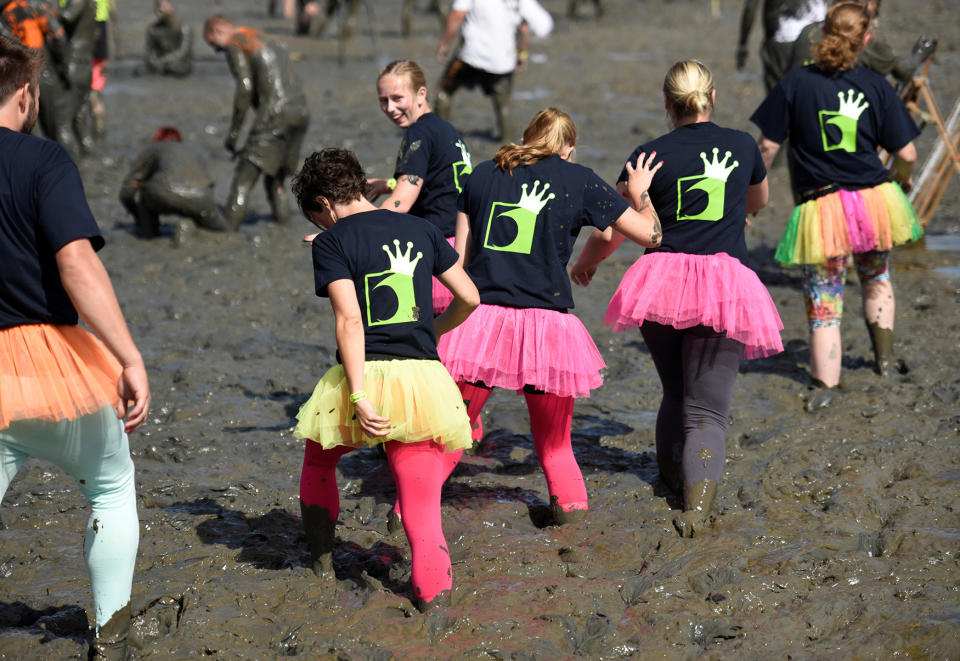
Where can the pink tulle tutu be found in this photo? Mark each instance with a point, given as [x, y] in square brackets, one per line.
[681, 290]
[442, 298]
[514, 347]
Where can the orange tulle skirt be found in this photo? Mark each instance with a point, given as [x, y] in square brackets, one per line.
[54, 373]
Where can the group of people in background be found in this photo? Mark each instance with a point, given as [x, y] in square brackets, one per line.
[457, 282]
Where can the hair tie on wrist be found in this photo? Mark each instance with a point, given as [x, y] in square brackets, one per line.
[357, 396]
[391, 183]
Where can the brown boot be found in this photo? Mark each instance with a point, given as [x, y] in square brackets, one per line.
[882, 341]
[320, 538]
[697, 514]
[111, 641]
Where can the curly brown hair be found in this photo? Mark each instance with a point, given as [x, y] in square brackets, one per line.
[332, 173]
[842, 41]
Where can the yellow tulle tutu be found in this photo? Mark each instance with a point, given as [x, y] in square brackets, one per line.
[418, 396]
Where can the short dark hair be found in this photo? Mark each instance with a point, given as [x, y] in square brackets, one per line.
[19, 66]
[333, 173]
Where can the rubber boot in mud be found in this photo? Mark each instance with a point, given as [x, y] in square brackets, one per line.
[561, 517]
[111, 641]
[882, 341]
[697, 513]
[319, 528]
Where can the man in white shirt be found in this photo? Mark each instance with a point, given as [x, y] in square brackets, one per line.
[495, 37]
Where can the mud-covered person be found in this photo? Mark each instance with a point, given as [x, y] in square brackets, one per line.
[79, 19]
[65, 391]
[699, 307]
[390, 388]
[835, 114]
[37, 26]
[496, 36]
[170, 177]
[877, 55]
[517, 220]
[267, 87]
[169, 44]
[782, 22]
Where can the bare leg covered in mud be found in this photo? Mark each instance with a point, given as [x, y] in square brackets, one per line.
[698, 368]
[244, 178]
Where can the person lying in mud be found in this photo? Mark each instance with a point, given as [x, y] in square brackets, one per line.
[519, 216]
[835, 114]
[170, 177]
[877, 55]
[699, 308]
[169, 47]
[267, 87]
[65, 390]
[390, 388]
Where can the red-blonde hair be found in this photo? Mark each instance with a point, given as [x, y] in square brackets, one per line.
[548, 133]
[843, 32]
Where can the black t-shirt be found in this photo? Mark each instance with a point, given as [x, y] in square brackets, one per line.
[524, 225]
[42, 209]
[700, 192]
[390, 257]
[435, 151]
[835, 121]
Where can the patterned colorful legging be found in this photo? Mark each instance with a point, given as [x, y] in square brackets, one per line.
[823, 284]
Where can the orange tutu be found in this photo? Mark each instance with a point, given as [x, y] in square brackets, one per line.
[54, 373]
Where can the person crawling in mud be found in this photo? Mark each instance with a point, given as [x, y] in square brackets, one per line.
[170, 177]
[169, 47]
[699, 308]
[65, 390]
[390, 388]
[267, 87]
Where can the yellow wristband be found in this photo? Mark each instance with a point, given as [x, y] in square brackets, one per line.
[357, 396]
[523, 54]
[391, 183]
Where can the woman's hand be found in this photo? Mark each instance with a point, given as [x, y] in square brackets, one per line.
[640, 177]
[582, 276]
[372, 424]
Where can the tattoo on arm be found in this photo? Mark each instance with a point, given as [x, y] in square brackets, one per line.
[413, 179]
[396, 203]
[644, 201]
[657, 229]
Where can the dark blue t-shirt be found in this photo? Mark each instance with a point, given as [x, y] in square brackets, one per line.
[700, 192]
[524, 225]
[42, 209]
[435, 151]
[835, 121]
[390, 257]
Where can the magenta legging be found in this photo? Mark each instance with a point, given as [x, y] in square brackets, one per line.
[551, 418]
[419, 470]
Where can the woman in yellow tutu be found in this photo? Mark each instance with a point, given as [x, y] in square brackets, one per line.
[376, 266]
[836, 114]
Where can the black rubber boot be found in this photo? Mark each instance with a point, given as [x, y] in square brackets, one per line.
[882, 341]
[697, 514]
[111, 641]
[320, 538]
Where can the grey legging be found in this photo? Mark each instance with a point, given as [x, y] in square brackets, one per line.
[697, 367]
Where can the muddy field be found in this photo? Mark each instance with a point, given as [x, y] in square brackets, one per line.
[838, 534]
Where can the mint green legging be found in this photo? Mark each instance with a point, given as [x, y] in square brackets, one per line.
[93, 449]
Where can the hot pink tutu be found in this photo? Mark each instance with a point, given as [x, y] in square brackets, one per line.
[681, 290]
[514, 347]
[442, 298]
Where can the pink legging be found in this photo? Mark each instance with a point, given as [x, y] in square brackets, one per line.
[550, 421]
[419, 469]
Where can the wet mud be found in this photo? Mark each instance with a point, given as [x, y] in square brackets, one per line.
[836, 532]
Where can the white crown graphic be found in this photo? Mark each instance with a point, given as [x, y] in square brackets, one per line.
[535, 201]
[718, 169]
[401, 263]
[464, 154]
[851, 107]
